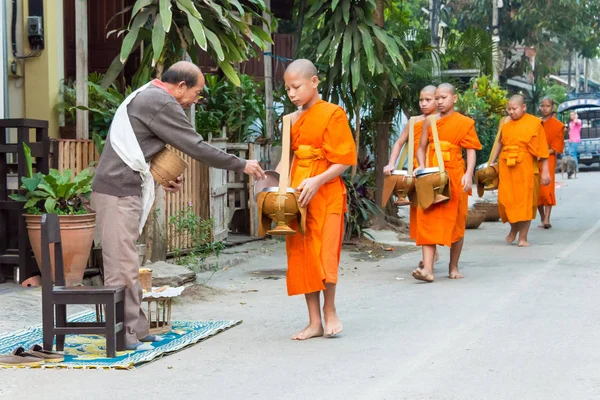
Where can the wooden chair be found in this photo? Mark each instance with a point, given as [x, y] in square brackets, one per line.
[57, 297]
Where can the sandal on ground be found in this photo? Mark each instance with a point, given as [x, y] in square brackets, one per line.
[47, 355]
[20, 358]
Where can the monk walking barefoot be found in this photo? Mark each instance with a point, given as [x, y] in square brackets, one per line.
[323, 148]
[428, 107]
[444, 223]
[522, 142]
[554, 130]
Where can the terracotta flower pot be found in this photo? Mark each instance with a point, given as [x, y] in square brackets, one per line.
[491, 211]
[77, 235]
[475, 218]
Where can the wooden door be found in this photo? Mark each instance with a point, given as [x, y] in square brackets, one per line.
[218, 197]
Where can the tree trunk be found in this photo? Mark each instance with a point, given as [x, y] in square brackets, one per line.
[570, 73]
[298, 38]
[356, 138]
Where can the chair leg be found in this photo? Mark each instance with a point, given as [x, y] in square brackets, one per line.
[121, 318]
[48, 326]
[110, 330]
[61, 321]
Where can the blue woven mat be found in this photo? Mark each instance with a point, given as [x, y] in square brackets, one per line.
[88, 351]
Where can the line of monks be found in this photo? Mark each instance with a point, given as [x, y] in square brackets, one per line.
[526, 156]
[322, 148]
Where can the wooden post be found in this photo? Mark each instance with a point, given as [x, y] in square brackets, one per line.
[268, 62]
[81, 38]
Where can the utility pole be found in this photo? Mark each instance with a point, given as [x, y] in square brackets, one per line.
[577, 73]
[496, 4]
[81, 70]
[268, 63]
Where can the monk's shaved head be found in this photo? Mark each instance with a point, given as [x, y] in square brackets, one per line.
[517, 99]
[447, 87]
[549, 100]
[428, 89]
[302, 67]
[182, 71]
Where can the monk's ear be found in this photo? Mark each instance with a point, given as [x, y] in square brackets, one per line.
[314, 81]
[455, 98]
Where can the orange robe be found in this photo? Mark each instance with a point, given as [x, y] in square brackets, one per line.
[320, 138]
[412, 225]
[445, 223]
[523, 142]
[555, 136]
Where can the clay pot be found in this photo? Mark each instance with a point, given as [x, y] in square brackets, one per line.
[166, 166]
[401, 184]
[77, 235]
[491, 211]
[432, 187]
[282, 216]
[475, 218]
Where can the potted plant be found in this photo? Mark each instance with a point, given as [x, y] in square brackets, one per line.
[57, 193]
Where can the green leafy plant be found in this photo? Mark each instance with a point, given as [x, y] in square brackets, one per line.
[187, 224]
[484, 102]
[361, 204]
[240, 109]
[229, 30]
[54, 193]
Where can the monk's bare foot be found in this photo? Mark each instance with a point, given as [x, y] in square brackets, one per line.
[543, 226]
[309, 332]
[423, 275]
[333, 325]
[523, 243]
[511, 237]
[453, 273]
[437, 257]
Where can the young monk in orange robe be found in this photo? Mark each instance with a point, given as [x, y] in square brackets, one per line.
[444, 223]
[323, 149]
[428, 107]
[522, 141]
[555, 136]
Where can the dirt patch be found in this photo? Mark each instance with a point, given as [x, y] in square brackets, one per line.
[366, 250]
[200, 292]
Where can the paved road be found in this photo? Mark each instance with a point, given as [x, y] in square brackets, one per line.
[522, 325]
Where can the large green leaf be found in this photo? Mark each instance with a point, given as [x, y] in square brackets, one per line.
[368, 46]
[334, 47]
[31, 202]
[166, 14]
[355, 69]
[322, 47]
[131, 37]
[158, 39]
[50, 205]
[347, 50]
[198, 30]
[190, 7]
[230, 73]
[335, 3]
[258, 31]
[139, 4]
[27, 153]
[346, 11]
[215, 44]
[31, 183]
[237, 5]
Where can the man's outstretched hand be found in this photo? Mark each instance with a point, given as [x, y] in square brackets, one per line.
[175, 186]
[253, 168]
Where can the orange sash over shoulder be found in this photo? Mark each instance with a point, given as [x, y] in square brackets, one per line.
[321, 137]
[445, 223]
